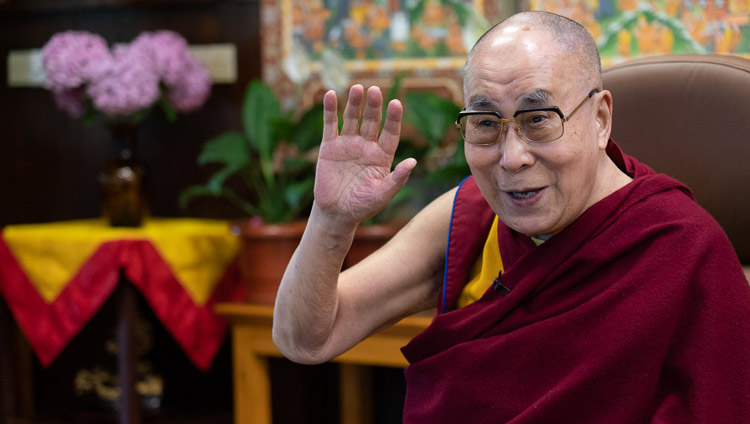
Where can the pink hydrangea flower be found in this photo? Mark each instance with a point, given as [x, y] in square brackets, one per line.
[188, 82]
[81, 70]
[126, 85]
[168, 51]
[191, 89]
[72, 58]
[71, 100]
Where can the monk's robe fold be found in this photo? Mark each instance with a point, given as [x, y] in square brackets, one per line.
[637, 312]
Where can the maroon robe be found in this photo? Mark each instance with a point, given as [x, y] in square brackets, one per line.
[637, 312]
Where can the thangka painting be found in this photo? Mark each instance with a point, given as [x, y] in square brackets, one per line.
[377, 30]
[626, 29]
[310, 46]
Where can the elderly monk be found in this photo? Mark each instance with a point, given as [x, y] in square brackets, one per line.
[573, 284]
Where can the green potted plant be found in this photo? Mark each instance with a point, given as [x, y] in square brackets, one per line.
[267, 171]
[273, 156]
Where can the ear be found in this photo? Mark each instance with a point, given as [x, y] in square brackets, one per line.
[603, 117]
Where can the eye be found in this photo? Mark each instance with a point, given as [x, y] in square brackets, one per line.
[534, 119]
[483, 121]
[538, 117]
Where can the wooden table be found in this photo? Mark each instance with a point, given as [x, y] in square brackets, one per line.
[252, 345]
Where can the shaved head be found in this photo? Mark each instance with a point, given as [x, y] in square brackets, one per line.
[571, 37]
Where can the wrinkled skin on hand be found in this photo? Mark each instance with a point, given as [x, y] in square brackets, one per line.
[353, 178]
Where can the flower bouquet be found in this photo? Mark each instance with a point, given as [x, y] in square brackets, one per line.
[122, 84]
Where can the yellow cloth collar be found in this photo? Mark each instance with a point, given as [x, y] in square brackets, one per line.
[485, 269]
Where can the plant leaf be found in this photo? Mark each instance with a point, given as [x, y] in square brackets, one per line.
[282, 127]
[227, 148]
[298, 165]
[430, 114]
[298, 192]
[308, 131]
[259, 109]
[395, 88]
[392, 94]
[216, 182]
[189, 193]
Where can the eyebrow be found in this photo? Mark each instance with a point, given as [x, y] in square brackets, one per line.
[536, 98]
[481, 102]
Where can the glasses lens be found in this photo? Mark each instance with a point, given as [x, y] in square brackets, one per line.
[540, 126]
[480, 129]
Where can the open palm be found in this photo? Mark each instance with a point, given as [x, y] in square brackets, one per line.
[353, 179]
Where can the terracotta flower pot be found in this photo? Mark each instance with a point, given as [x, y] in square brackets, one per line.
[368, 239]
[265, 252]
[267, 248]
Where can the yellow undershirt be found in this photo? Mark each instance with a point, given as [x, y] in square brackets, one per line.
[484, 271]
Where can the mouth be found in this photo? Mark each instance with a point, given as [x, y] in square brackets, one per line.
[524, 194]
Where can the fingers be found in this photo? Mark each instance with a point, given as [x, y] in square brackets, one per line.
[371, 119]
[330, 116]
[351, 112]
[373, 113]
[392, 127]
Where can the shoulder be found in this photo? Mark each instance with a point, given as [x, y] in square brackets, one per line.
[433, 221]
[677, 233]
[418, 249]
[671, 205]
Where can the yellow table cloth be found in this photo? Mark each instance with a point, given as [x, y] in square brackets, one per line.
[55, 276]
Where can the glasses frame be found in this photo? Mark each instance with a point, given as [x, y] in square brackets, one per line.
[505, 121]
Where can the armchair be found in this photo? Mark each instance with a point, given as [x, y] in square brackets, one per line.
[689, 116]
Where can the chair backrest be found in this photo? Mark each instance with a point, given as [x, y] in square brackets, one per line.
[689, 116]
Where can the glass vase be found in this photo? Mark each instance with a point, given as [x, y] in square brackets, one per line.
[121, 181]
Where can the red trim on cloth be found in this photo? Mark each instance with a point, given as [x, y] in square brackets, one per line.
[49, 327]
[196, 328]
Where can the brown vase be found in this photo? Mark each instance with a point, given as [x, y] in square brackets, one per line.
[265, 252]
[121, 181]
[367, 239]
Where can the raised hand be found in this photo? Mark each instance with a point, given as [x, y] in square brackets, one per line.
[353, 180]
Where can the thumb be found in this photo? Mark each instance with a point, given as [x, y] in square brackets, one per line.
[400, 175]
[402, 171]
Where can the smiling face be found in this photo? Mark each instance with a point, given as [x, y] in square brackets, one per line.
[538, 189]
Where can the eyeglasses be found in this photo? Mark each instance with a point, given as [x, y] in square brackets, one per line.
[537, 125]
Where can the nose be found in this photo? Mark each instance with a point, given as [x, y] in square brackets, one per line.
[514, 149]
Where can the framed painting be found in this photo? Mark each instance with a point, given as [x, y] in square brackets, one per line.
[627, 29]
[310, 46]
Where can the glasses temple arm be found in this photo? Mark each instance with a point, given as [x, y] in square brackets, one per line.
[580, 105]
